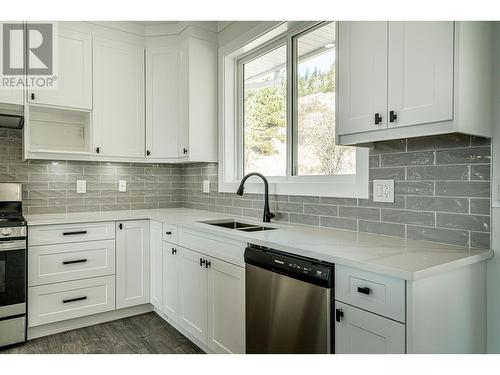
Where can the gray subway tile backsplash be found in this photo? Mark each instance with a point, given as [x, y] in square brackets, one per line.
[441, 183]
[424, 190]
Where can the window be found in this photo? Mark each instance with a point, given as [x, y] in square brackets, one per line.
[278, 114]
[264, 113]
[314, 106]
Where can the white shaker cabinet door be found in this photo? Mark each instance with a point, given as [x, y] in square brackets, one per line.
[132, 263]
[10, 96]
[193, 293]
[420, 70]
[362, 76]
[73, 70]
[360, 332]
[162, 102]
[118, 115]
[156, 256]
[170, 281]
[226, 307]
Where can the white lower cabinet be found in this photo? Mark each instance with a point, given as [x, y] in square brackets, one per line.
[156, 256]
[193, 293]
[170, 286]
[226, 307]
[72, 299]
[211, 298]
[361, 332]
[62, 262]
[132, 263]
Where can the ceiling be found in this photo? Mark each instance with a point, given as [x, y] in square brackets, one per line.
[308, 44]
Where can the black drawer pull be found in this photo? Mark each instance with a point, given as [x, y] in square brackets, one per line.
[74, 261]
[73, 233]
[207, 264]
[74, 299]
[168, 233]
[174, 251]
[364, 290]
[339, 314]
[202, 262]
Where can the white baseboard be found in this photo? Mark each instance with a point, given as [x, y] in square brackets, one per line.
[85, 321]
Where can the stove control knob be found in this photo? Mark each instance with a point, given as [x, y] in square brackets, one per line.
[6, 232]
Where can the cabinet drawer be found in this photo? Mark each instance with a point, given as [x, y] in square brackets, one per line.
[170, 233]
[64, 233]
[72, 299]
[65, 262]
[370, 291]
[225, 249]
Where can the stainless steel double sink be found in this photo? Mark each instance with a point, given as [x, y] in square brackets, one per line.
[232, 224]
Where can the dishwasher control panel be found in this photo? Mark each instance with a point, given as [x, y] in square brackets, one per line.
[307, 269]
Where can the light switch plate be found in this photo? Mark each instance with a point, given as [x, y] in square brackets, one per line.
[81, 186]
[206, 186]
[383, 191]
[122, 185]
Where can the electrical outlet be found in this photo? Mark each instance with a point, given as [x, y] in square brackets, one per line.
[383, 191]
[206, 186]
[122, 185]
[81, 186]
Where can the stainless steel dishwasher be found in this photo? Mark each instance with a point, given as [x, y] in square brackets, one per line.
[289, 303]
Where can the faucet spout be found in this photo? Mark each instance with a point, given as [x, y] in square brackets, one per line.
[268, 215]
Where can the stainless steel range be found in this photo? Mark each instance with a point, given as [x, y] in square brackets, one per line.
[13, 247]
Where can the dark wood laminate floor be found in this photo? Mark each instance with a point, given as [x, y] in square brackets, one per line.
[141, 334]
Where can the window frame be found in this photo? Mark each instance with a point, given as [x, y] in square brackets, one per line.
[231, 92]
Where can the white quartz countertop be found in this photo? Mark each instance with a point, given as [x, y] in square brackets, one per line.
[404, 259]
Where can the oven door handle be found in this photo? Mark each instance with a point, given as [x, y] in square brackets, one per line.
[12, 245]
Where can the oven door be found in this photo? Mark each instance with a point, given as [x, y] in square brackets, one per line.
[12, 278]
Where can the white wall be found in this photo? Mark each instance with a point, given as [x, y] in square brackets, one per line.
[494, 264]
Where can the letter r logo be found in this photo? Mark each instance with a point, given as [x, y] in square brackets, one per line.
[27, 49]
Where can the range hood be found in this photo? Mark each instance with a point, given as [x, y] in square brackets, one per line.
[11, 121]
[11, 116]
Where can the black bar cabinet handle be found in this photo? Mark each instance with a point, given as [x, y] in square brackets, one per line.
[207, 264]
[74, 261]
[73, 233]
[364, 290]
[74, 299]
[202, 262]
[392, 116]
[174, 251]
[168, 233]
[120, 226]
[32, 96]
[378, 118]
[339, 314]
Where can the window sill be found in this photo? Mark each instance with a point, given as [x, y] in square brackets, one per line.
[348, 189]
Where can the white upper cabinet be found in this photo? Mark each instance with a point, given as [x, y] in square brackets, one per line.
[162, 102]
[410, 79]
[118, 115]
[8, 96]
[11, 97]
[420, 66]
[363, 83]
[181, 101]
[132, 263]
[73, 68]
